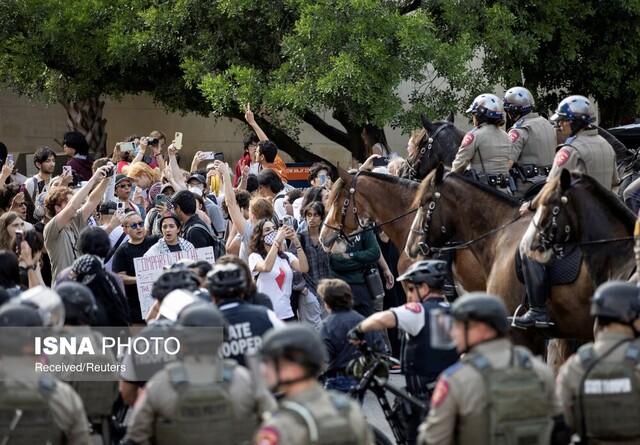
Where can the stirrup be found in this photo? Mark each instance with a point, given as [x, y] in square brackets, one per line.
[544, 325]
[513, 319]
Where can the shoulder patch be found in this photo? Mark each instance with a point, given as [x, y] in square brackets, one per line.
[267, 436]
[467, 140]
[453, 369]
[513, 135]
[520, 123]
[440, 393]
[562, 156]
[413, 307]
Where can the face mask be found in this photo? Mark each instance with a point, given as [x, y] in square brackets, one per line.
[270, 238]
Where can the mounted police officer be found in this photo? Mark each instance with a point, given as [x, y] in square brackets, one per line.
[34, 406]
[199, 397]
[485, 149]
[307, 414]
[227, 284]
[533, 140]
[498, 392]
[586, 152]
[600, 386]
[421, 363]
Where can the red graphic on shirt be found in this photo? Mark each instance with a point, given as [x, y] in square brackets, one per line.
[468, 139]
[562, 156]
[280, 278]
[514, 135]
[414, 307]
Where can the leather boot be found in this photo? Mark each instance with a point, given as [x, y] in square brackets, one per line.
[537, 286]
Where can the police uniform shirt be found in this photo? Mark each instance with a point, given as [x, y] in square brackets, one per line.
[489, 142]
[533, 141]
[572, 372]
[160, 397]
[460, 398]
[286, 428]
[588, 153]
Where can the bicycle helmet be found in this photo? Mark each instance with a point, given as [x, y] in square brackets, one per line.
[297, 343]
[172, 280]
[226, 281]
[488, 105]
[518, 101]
[482, 307]
[575, 109]
[432, 272]
[79, 303]
[617, 300]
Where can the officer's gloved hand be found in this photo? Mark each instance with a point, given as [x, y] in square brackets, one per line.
[355, 334]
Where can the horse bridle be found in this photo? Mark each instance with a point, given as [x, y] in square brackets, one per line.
[414, 169]
[549, 241]
[345, 205]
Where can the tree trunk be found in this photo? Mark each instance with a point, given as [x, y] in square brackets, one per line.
[86, 118]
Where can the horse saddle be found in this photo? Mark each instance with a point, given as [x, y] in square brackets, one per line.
[563, 270]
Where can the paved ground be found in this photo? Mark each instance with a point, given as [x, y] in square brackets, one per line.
[372, 409]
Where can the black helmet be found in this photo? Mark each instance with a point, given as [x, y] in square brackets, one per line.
[172, 280]
[432, 272]
[618, 300]
[194, 322]
[298, 343]
[25, 321]
[79, 303]
[482, 307]
[19, 315]
[226, 281]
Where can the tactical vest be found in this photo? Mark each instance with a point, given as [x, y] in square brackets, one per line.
[540, 148]
[519, 411]
[25, 416]
[247, 324]
[608, 404]
[325, 427]
[204, 411]
[418, 357]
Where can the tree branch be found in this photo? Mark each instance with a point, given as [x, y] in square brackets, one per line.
[330, 132]
[415, 4]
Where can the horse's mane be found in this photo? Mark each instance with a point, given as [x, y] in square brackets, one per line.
[605, 196]
[391, 179]
[510, 200]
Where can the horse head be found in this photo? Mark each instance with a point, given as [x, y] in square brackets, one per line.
[440, 143]
[429, 228]
[346, 214]
[555, 222]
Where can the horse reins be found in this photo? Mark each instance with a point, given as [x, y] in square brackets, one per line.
[345, 205]
[415, 168]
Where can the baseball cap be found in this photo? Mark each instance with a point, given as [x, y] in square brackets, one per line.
[197, 177]
[122, 177]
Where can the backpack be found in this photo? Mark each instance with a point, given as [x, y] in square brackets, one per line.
[203, 411]
[25, 414]
[608, 404]
[219, 248]
[325, 427]
[519, 410]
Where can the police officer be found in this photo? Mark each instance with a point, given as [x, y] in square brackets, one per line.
[486, 147]
[200, 397]
[599, 385]
[421, 363]
[533, 140]
[34, 407]
[495, 389]
[306, 414]
[586, 152]
[228, 286]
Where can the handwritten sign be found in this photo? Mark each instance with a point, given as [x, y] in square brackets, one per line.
[148, 269]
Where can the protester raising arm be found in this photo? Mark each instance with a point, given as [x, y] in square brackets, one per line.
[249, 117]
[173, 163]
[230, 199]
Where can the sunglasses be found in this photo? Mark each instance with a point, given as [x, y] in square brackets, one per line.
[124, 186]
[136, 225]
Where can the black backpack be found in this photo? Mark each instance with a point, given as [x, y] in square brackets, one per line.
[219, 248]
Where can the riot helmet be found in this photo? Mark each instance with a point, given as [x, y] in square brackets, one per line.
[226, 281]
[79, 303]
[487, 106]
[48, 304]
[29, 321]
[171, 280]
[617, 301]
[19, 315]
[432, 272]
[518, 101]
[202, 327]
[482, 307]
[297, 343]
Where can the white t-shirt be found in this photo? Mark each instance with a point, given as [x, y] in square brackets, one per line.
[278, 205]
[276, 284]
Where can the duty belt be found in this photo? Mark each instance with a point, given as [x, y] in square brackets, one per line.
[531, 171]
[494, 180]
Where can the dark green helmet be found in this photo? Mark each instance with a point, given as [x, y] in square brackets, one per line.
[79, 303]
[432, 272]
[226, 281]
[202, 327]
[617, 300]
[482, 307]
[19, 315]
[297, 343]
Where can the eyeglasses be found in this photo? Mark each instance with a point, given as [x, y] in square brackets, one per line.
[136, 225]
[125, 186]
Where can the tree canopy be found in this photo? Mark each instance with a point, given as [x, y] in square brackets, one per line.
[334, 64]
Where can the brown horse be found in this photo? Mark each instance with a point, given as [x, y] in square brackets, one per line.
[386, 200]
[575, 209]
[489, 224]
